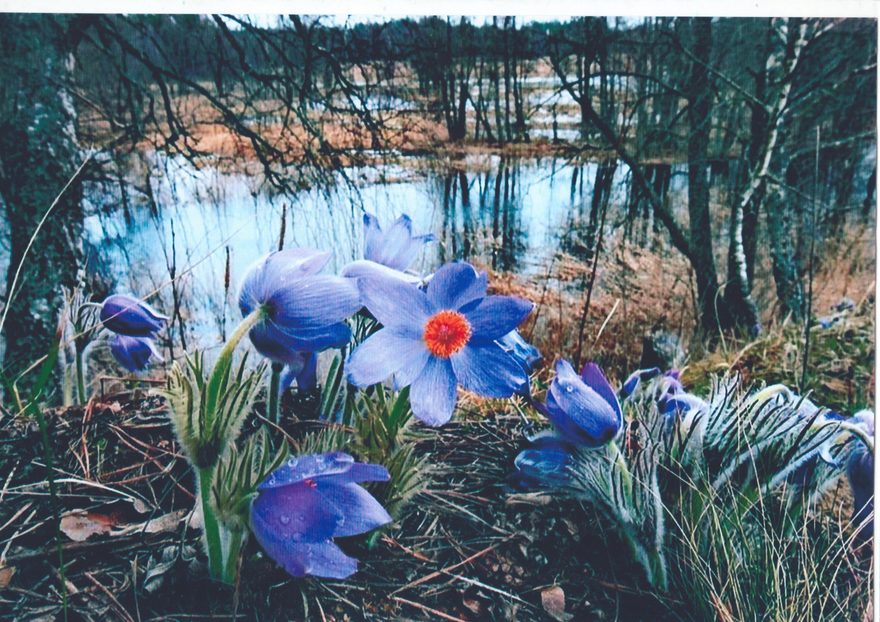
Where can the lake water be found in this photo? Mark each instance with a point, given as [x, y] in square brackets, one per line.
[511, 214]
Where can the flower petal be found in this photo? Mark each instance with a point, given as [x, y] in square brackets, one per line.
[522, 351]
[133, 353]
[319, 559]
[487, 370]
[366, 268]
[634, 379]
[372, 237]
[495, 316]
[360, 510]
[545, 467]
[274, 271]
[395, 304]
[383, 354]
[311, 466]
[456, 284]
[407, 255]
[298, 512]
[596, 380]
[313, 301]
[276, 344]
[395, 244]
[432, 395]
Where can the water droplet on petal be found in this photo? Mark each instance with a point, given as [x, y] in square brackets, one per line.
[284, 519]
[292, 462]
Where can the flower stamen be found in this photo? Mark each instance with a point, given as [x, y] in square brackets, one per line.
[446, 332]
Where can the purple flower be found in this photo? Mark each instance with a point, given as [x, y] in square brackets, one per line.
[637, 377]
[397, 247]
[133, 353]
[310, 500]
[860, 473]
[521, 350]
[543, 465]
[125, 315]
[436, 339]
[304, 311]
[584, 409]
[388, 253]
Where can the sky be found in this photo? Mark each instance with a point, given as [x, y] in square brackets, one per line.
[527, 8]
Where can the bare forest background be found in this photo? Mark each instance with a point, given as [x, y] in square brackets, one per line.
[780, 113]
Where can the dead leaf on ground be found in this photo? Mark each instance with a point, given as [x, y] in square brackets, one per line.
[80, 525]
[553, 600]
[6, 573]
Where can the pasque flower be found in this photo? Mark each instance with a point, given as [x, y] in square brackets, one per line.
[436, 339]
[396, 247]
[133, 353]
[545, 464]
[303, 311]
[521, 350]
[135, 324]
[388, 253]
[635, 379]
[584, 409]
[125, 315]
[860, 473]
[307, 502]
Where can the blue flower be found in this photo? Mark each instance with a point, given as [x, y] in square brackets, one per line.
[397, 247]
[125, 315]
[543, 465]
[521, 350]
[304, 311]
[306, 503]
[584, 409]
[635, 379]
[389, 253]
[860, 473]
[133, 353]
[436, 339]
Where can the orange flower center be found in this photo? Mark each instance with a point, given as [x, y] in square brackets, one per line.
[446, 332]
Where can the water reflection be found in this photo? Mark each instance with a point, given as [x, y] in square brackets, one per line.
[186, 235]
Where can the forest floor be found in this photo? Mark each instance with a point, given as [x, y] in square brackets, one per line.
[467, 548]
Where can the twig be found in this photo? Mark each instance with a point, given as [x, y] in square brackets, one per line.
[448, 569]
[427, 609]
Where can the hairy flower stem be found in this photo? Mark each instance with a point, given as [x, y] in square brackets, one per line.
[80, 377]
[213, 544]
[620, 464]
[218, 563]
[275, 393]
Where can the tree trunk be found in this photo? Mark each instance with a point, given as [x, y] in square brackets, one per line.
[38, 156]
[699, 95]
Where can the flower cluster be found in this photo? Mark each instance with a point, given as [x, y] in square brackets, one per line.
[432, 334]
[135, 325]
[432, 339]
